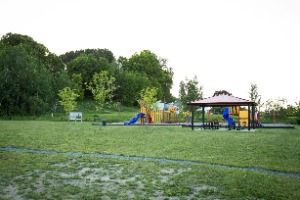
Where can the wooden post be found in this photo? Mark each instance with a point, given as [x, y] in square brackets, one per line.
[253, 117]
[203, 116]
[163, 113]
[248, 117]
[192, 118]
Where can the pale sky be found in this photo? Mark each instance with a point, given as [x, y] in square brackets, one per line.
[227, 44]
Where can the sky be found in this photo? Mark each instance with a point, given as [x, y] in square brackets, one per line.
[227, 44]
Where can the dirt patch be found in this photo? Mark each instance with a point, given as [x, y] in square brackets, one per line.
[108, 181]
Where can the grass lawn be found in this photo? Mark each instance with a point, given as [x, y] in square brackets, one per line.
[57, 176]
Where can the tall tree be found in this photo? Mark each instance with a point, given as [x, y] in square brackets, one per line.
[36, 50]
[254, 96]
[148, 64]
[97, 53]
[29, 73]
[86, 65]
[189, 91]
[28, 85]
[56, 65]
[131, 83]
[167, 81]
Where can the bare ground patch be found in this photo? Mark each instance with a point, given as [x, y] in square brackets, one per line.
[75, 179]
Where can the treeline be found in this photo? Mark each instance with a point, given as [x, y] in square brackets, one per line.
[31, 76]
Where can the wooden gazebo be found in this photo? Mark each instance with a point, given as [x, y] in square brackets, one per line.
[224, 101]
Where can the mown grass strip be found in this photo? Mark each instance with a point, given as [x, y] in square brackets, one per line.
[275, 150]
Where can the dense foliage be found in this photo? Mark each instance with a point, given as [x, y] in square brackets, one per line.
[148, 71]
[29, 76]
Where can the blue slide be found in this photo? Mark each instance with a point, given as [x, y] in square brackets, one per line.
[230, 121]
[133, 120]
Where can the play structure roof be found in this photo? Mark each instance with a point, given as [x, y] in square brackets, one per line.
[221, 100]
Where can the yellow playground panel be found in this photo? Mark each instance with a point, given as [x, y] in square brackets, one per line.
[243, 117]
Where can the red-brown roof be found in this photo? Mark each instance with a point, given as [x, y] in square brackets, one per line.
[221, 100]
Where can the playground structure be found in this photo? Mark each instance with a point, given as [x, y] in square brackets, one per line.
[158, 114]
[243, 116]
[225, 100]
[238, 112]
[162, 114]
[227, 115]
[168, 113]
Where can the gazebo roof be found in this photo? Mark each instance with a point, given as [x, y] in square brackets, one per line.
[221, 100]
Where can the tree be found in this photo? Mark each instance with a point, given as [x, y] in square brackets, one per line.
[35, 50]
[86, 65]
[11, 59]
[24, 78]
[148, 98]
[278, 106]
[131, 84]
[29, 74]
[56, 65]
[148, 64]
[297, 112]
[63, 80]
[254, 96]
[189, 91]
[221, 92]
[97, 53]
[167, 81]
[68, 99]
[77, 84]
[102, 87]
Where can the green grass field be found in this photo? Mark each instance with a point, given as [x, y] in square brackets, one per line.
[59, 176]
